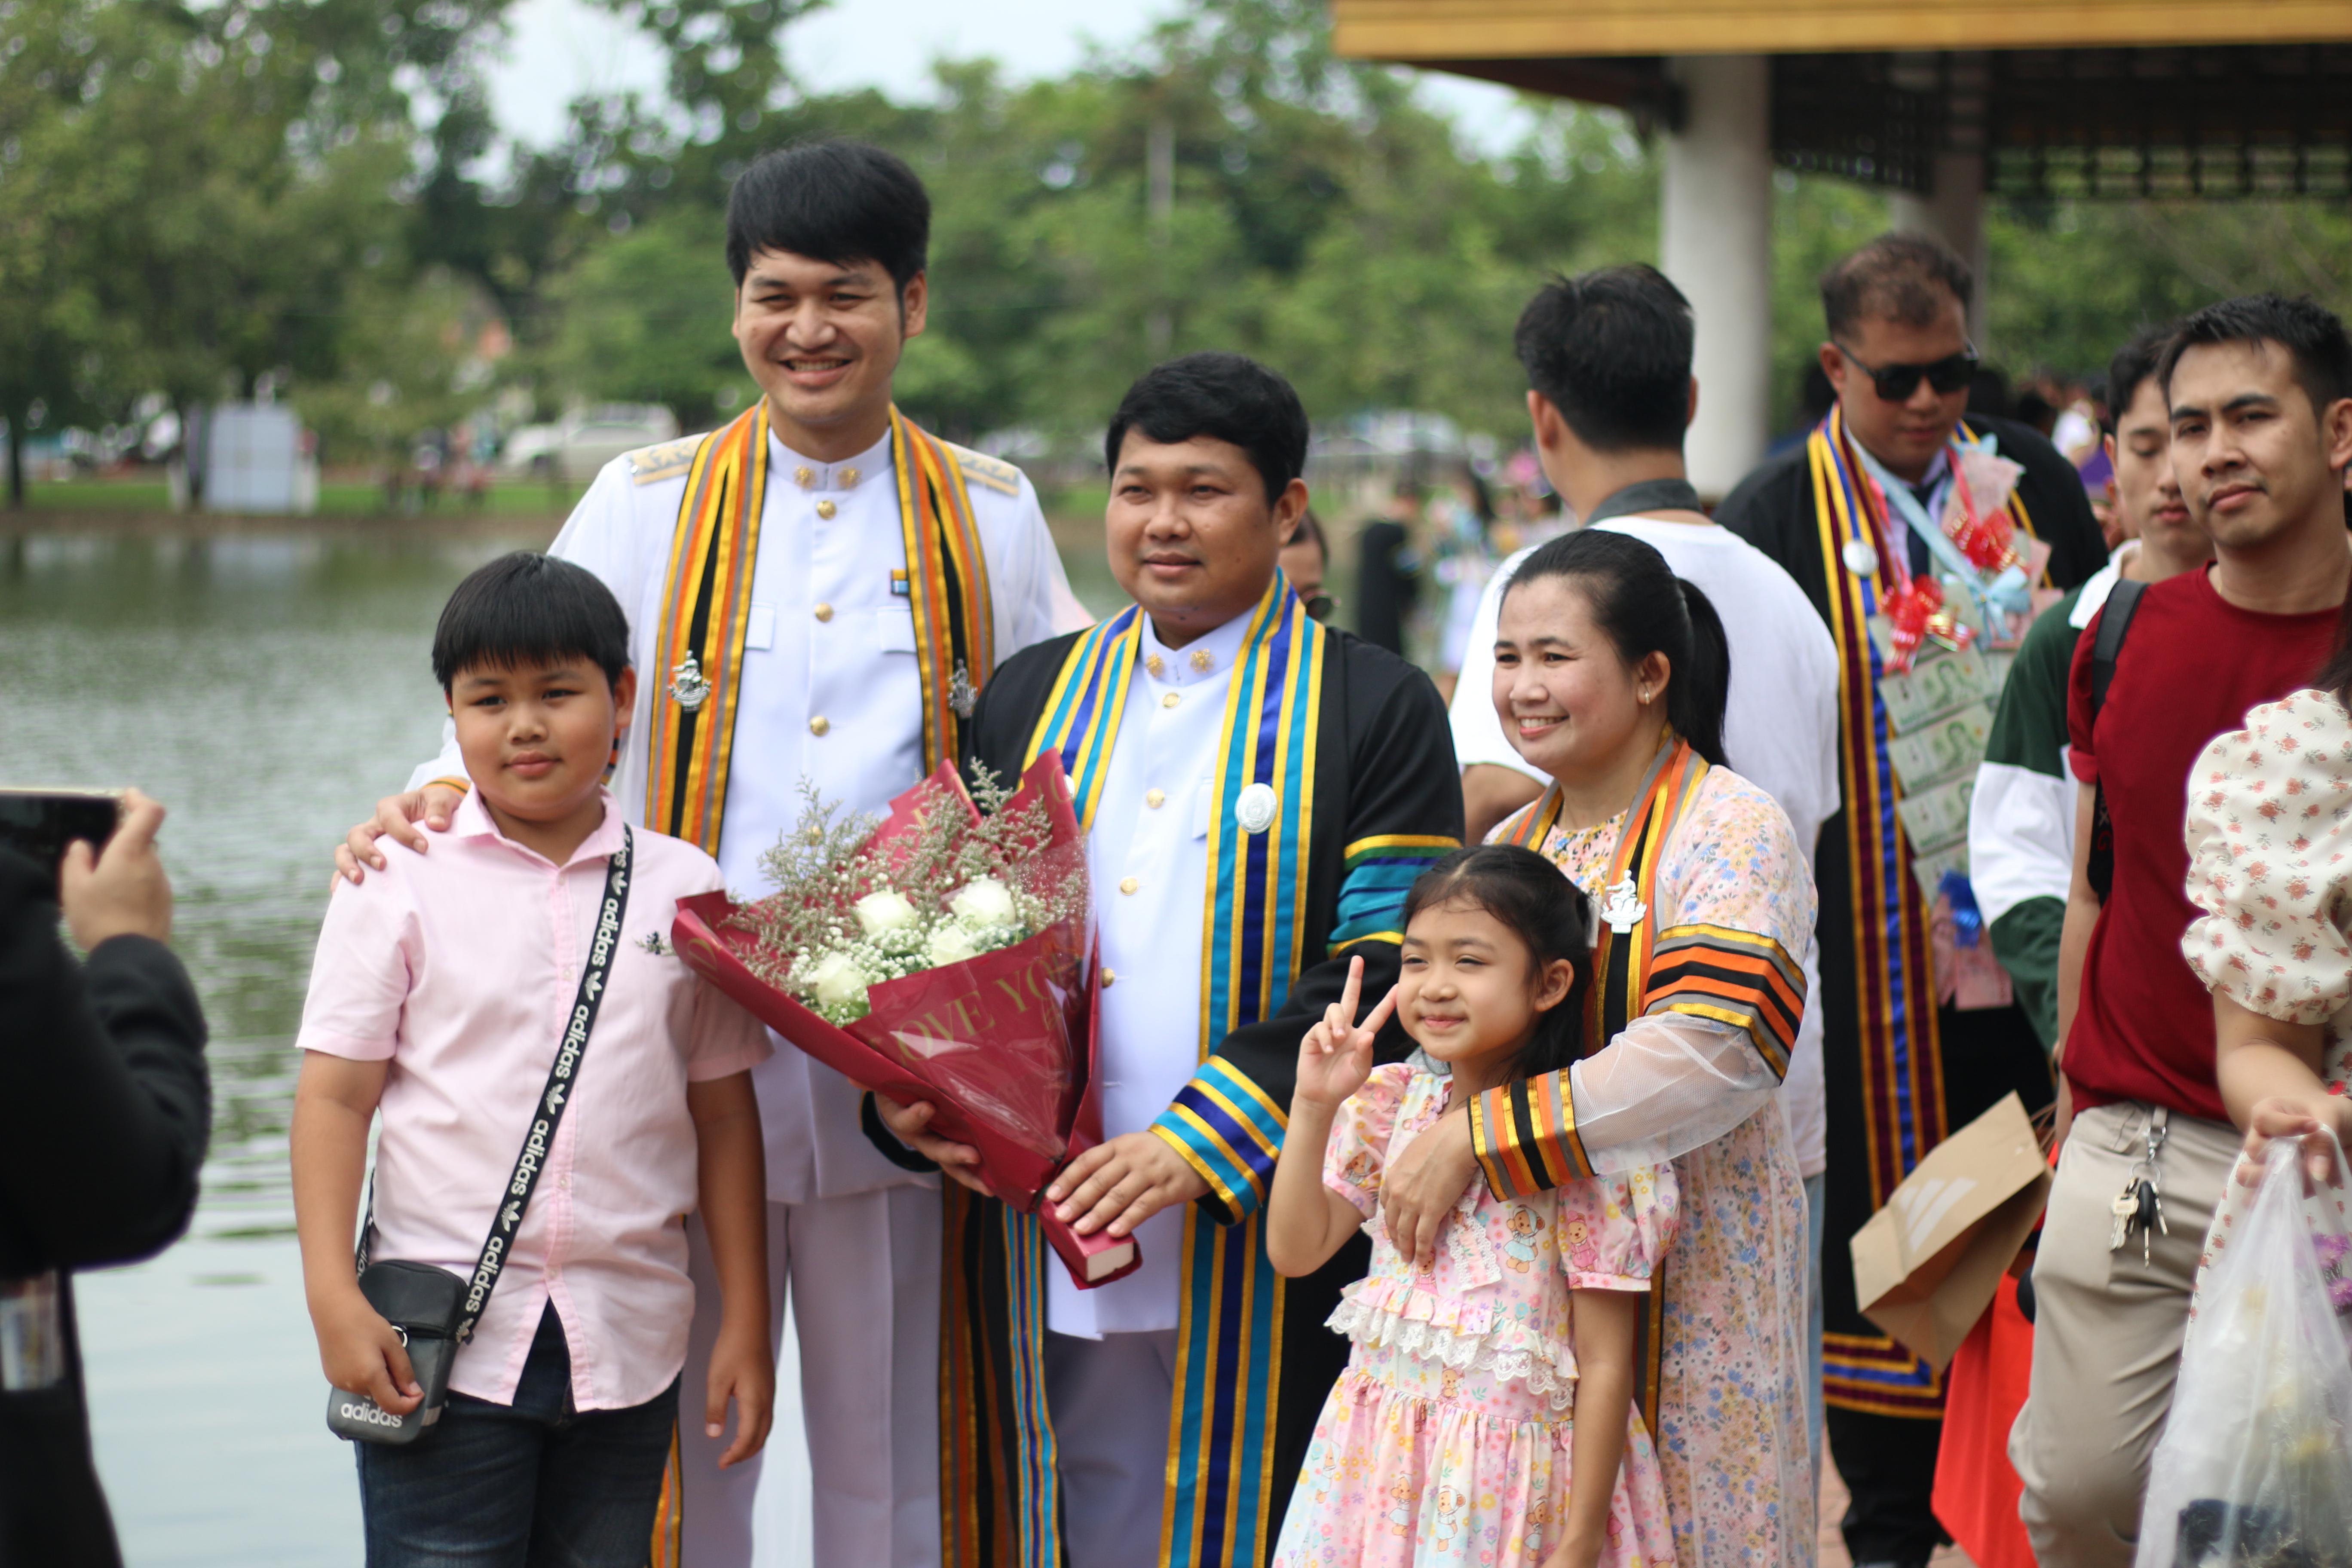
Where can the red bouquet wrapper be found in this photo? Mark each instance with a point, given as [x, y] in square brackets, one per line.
[1000, 1046]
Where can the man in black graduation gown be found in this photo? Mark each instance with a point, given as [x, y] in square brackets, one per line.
[1260, 791]
[1842, 514]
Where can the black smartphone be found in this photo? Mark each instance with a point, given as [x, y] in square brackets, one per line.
[39, 823]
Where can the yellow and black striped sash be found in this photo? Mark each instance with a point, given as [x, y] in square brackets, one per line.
[705, 613]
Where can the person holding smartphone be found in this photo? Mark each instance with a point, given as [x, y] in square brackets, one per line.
[105, 1110]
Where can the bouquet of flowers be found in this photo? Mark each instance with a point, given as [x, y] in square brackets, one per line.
[942, 955]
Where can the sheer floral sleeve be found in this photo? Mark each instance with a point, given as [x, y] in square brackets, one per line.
[1725, 994]
[2270, 861]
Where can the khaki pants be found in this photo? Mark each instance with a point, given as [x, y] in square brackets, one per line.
[2108, 1331]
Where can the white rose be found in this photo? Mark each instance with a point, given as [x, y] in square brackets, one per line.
[880, 914]
[950, 943]
[983, 901]
[836, 982]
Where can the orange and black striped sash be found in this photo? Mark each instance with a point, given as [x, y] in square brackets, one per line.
[705, 613]
[1523, 1134]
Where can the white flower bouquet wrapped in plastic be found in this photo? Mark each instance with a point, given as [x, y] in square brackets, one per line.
[943, 955]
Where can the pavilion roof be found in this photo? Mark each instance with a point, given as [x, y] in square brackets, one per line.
[2089, 98]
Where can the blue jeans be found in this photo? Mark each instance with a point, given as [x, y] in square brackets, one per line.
[535, 1484]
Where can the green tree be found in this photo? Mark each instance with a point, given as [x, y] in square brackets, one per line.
[2072, 281]
[645, 320]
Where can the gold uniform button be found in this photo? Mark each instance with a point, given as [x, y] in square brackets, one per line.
[1169, 700]
[825, 509]
[820, 725]
[824, 612]
[1109, 978]
[1155, 799]
[1128, 884]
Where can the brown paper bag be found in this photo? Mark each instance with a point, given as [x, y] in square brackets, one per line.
[1927, 1265]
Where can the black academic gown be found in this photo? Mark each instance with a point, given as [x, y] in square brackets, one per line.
[1386, 801]
[1884, 1409]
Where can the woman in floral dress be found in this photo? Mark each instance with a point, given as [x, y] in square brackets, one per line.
[1611, 676]
[2270, 862]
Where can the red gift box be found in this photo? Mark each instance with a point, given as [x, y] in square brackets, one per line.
[1000, 1046]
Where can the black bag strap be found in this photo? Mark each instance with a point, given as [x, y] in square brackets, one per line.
[560, 1078]
[2114, 620]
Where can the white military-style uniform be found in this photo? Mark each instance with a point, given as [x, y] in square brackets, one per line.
[830, 692]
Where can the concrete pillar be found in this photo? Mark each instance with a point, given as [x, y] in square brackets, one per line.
[1954, 213]
[1715, 240]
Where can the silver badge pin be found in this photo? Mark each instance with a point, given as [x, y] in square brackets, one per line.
[1861, 557]
[1256, 806]
[961, 695]
[1624, 908]
[687, 687]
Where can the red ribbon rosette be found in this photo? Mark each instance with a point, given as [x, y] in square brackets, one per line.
[1988, 540]
[1001, 1046]
[1914, 613]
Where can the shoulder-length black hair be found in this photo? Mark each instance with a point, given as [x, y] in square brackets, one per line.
[1643, 608]
[1544, 910]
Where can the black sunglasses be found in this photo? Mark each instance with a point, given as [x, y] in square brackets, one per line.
[1896, 383]
[1320, 606]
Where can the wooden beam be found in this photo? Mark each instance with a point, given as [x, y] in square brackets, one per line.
[1435, 32]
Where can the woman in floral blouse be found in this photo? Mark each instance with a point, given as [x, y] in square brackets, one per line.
[2270, 862]
[1611, 676]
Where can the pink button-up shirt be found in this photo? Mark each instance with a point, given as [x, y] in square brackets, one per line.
[459, 966]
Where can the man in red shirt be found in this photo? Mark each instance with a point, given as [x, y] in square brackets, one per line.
[2256, 389]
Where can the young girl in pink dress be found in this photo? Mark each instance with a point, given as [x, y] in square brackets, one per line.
[1480, 1391]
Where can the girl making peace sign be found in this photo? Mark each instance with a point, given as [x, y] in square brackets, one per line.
[1482, 1382]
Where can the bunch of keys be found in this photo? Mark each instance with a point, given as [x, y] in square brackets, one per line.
[2140, 1204]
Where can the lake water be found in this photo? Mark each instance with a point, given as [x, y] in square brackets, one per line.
[268, 688]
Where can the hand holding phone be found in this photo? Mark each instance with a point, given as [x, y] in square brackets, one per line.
[39, 823]
[123, 890]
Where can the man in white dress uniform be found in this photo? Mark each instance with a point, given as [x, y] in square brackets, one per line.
[817, 590]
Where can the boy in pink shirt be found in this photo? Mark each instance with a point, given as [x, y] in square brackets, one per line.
[442, 989]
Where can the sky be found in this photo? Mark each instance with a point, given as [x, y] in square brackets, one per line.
[558, 49]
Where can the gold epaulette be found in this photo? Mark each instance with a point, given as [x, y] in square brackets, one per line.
[980, 468]
[666, 460]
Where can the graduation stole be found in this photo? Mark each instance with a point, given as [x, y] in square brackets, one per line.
[1547, 1150]
[706, 601]
[1901, 1045]
[1228, 1367]
[1902, 1073]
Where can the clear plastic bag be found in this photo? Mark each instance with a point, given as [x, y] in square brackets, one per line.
[2255, 1470]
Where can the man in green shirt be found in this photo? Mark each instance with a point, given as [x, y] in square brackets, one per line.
[2022, 816]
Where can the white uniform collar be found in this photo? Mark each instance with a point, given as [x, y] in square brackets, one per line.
[806, 473]
[2100, 584]
[1202, 658]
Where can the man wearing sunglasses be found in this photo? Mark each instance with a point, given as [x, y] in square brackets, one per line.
[1855, 514]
